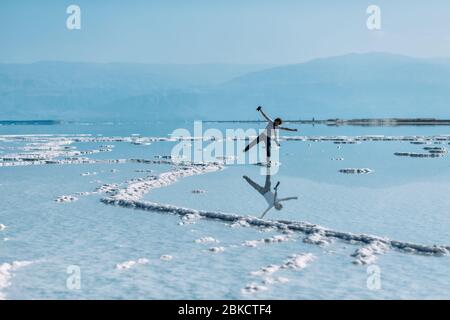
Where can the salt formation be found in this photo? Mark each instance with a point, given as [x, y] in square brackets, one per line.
[217, 249]
[88, 174]
[55, 140]
[57, 149]
[109, 188]
[206, 240]
[140, 187]
[272, 268]
[296, 226]
[66, 198]
[367, 254]
[104, 189]
[189, 219]
[436, 149]
[239, 223]
[2, 227]
[6, 273]
[226, 159]
[46, 151]
[295, 262]
[318, 238]
[356, 170]
[418, 155]
[274, 280]
[129, 264]
[253, 288]
[251, 243]
[143, 142]
[274, 239]
[298, 261]
[60, 150]
[198, 191]
[346, 142]
[433, 152]
[83, 193]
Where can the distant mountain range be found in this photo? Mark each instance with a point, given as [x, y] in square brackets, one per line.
[374, 85]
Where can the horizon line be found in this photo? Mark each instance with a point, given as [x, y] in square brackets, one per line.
[228, 63]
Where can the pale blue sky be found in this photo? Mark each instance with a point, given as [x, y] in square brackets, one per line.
[219, 31]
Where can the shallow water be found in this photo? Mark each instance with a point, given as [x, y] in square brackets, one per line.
[404, 199]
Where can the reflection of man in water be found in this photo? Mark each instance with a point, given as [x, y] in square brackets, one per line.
[270, 196]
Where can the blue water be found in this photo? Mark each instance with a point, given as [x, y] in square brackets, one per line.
[404, 199]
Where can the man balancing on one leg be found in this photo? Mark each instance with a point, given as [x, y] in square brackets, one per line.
[266, 135]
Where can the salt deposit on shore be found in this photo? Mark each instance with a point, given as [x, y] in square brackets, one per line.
[189, 219]
[135, 190]
[66, 198]
[55, 141]
[298, 261]
[253, 288]
[58, 149]
[418, 155]
[198, 191]
[273, 239]
[7, 272]
[296, 226]
[217, 249]
[436, 149]
[88, 174]
[432, 152]
[166, 257]
[367, 254]
[131, 263]
[206, 240]
[356, 170]
[294, 262]
[318, 238]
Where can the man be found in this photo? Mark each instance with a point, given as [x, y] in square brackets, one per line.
[269, 132]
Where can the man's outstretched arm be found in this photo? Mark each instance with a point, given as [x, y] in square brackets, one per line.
[287, 199]
[264, 114]
[287, 129]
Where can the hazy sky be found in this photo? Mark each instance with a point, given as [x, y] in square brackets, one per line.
[219, 31]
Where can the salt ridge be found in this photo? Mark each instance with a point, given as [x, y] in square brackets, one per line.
[297, 226]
